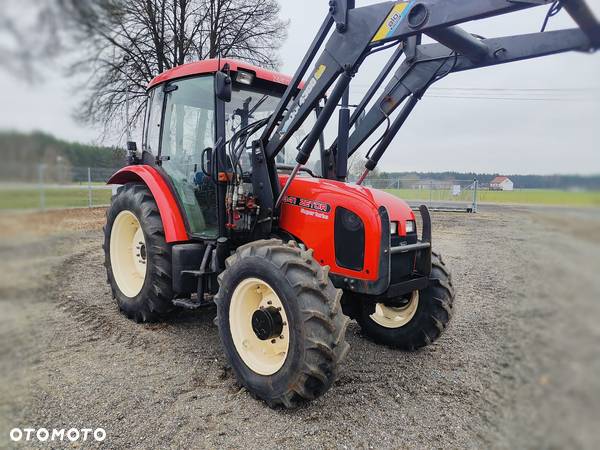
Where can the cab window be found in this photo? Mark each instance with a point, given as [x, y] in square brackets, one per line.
[189, 128]
[151, 139]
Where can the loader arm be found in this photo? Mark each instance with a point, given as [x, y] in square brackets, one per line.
[414, 76]
[363, 31]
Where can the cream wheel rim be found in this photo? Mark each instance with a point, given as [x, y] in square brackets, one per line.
[391, 317]
[265, 357]
[128, 255]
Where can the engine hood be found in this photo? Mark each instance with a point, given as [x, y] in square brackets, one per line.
[319, 188]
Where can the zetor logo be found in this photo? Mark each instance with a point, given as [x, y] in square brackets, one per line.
[308, 204]
[53, 435]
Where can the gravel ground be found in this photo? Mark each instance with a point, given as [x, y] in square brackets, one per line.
[518, 367]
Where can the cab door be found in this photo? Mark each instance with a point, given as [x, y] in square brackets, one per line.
[188, 128]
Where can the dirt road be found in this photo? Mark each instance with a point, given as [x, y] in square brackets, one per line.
[518, 368]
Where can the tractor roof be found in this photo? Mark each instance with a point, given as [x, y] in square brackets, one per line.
[212, 66]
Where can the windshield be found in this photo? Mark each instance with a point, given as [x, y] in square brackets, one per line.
[249, 106]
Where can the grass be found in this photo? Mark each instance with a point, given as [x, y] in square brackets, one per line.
[29, 198]
[15, 198]
[542, 197]
[520, 196]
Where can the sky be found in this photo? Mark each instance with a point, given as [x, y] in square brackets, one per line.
[540, 116]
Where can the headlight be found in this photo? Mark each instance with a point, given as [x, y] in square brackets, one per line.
[410, 226]
[394, 228]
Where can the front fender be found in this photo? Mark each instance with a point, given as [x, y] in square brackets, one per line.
[168, 207]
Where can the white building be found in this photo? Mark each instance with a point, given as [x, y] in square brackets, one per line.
[501, 184]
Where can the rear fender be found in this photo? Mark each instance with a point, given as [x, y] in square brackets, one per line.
[170, 213]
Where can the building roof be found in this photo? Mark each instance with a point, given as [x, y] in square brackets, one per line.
[212, 65]
[499, 180]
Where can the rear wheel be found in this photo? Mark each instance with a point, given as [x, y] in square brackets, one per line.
[137, 257]
[280, 322]
[416, 320]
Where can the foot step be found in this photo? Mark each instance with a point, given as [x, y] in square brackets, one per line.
[187, 303]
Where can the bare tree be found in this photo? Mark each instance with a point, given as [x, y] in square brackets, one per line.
[120, 45]
[131, 41]
[28, 33]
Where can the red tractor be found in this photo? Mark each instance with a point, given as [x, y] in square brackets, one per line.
[227, 203]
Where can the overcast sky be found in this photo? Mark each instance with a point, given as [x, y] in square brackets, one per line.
[513, 130]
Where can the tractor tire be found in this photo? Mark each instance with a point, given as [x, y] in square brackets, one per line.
[136, 255]
[280, 322]
[418, 323]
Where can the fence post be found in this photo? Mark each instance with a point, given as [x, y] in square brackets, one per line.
[41, 168]
[89, 187]
[475, 188]
[430, 193]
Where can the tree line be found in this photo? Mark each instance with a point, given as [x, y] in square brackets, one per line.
[23, 153]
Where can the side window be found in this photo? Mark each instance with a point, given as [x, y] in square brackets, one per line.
[189, 128]
[153, 120]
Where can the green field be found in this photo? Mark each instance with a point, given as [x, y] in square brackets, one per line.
[27, 198]
[520, 196]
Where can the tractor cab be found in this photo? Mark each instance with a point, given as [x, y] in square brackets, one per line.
[188, 129]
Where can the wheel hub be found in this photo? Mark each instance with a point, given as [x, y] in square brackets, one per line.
[142, 251]
[267, 323]
[259, 326]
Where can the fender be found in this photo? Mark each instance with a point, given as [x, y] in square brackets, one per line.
[168, 207]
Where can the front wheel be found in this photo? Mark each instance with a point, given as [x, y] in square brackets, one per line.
[416, 320]
[280, 322]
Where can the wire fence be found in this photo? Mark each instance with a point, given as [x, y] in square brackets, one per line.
[56, 186]
[44, 186]
[454, 195]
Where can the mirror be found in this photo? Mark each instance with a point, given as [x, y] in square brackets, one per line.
[223, 86]
[132, 152]
[205, 162]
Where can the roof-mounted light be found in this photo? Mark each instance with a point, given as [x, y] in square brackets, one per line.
[243, 77]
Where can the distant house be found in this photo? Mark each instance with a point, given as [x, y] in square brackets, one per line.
[501, 184]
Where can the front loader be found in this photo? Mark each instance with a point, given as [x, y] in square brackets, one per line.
[229, 202]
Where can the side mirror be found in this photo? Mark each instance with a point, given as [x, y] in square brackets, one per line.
[205, 162]
[223, 87]
[132, 152]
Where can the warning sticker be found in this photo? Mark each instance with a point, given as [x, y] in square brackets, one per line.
[393, 20]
